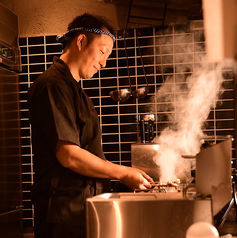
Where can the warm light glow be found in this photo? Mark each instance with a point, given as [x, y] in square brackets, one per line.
[118, 228]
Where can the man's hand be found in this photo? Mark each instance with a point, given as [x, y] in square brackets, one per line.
[136, 179]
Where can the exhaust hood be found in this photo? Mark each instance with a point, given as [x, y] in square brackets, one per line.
[150, 13]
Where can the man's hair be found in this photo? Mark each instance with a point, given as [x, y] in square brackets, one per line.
[87, 21]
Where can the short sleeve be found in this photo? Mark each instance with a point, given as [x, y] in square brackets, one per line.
[54, 111]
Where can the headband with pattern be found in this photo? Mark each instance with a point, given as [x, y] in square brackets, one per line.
[61, 38]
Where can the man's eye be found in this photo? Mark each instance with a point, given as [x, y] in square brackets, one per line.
[102, 51]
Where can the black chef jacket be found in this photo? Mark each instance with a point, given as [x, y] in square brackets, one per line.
[60, 110]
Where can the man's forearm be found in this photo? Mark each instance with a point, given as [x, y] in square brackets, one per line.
[83, 162]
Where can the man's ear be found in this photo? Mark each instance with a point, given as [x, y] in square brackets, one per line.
[81, 40]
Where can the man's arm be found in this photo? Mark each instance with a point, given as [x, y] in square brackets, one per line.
[83, 162]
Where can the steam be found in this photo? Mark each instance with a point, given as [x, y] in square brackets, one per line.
[187, 105]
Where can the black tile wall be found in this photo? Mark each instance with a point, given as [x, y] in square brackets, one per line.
[182, 49]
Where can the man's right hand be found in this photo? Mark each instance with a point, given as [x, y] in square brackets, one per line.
[136, 179]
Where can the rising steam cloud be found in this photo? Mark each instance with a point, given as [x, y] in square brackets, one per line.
[190, 104]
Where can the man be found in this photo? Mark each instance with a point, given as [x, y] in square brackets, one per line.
[69, 162]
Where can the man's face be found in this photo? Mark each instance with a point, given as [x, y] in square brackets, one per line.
[94, 56]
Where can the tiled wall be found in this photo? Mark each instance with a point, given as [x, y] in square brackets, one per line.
[172, 51]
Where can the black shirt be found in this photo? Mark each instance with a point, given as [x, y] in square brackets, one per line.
[60, 110]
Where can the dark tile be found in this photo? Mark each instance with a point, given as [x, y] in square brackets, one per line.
[228, 95]
[110, 119]
[110, 147]
[128, 128]
[225, 104]
[25, 141]
[36, 40]
[229, 124]
[22, 41]
[93, 92]
[26, 168]
[228, 75]
[145, 70]
[23, 50]
[37, 68]
[48, 65]
[24, 69]
[126, 163]
[143, 42]
[108, 82]
[127, 109]
[126, 158]
[111, 63]
[24, 60]
[112, 157]
[27, 213]
[108, 101]
[51, 39]
[23, 79]
[128, 137]
[23, 96]
[36, 59]
[53, 48]
[108, 73]
[33, 77]
[26, 186]
[109, 110]
[126, 146]
[104, 93]
[26, 131]
[36, 50]
[123, 62]
[127, 118]
[110, 138]
[25, 150]
[126, 72]
[110, 129]
[122, 53]
[90, 83]
[95, 101]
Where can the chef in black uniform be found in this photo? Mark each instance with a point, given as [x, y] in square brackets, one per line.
[69, 163]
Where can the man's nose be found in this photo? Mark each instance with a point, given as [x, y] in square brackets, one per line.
[103, 62]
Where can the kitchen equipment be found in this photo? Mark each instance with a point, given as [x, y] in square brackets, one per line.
[142, 158]
[142, 130]
[122, 95]
[10, 138]
[150, 128]
[213, 174]
[212, 169]
[143, 215]
[163, 211]
[141, 92]
[146, 128]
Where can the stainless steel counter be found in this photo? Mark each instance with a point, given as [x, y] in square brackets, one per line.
[144, 215]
